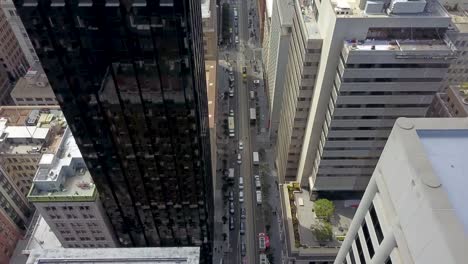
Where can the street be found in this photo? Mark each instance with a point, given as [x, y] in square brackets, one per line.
[241, 48]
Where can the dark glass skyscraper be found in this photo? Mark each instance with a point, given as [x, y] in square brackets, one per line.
[130, 78]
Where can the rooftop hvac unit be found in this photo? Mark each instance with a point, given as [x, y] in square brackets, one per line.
[374, 7]
[407, 6]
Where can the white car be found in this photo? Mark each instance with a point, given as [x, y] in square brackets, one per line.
[231, 112]
[231, 93]
[256, 81]
[241, 196]
[239, 159]
[241, 145]
[231, 207]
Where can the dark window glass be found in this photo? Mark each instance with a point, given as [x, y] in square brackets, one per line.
[370, 248]
[376, 223]
[359, 249]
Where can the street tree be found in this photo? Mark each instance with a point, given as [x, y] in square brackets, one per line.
[324, 209]
[322, 231]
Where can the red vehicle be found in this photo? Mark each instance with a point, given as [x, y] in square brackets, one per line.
[263, 241]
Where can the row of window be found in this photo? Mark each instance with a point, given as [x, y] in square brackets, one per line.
[28, 99]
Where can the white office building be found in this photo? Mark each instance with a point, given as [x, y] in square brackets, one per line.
[64, 194]
[276, 53]
[378, 61]
[414, 209]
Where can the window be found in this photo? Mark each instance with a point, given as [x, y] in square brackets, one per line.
[368, 241]
[359, 249]
[376, 224]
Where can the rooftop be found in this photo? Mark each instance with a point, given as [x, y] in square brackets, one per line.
[42, 237]
[447, 151]
[33, 84]
[169, 255]
[299, 218]
[63, 176]
[205, 8]
[32, 130]
[459, 16]
[430, 8]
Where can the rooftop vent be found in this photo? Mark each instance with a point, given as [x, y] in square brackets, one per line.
[407, 6]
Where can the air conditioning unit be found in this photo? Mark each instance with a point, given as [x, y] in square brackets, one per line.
[407, 6]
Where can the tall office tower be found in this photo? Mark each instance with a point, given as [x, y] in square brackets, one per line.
[33, 88]
[414, 208]
[130, 78]
[298, 88]
[266, 32]
[277, 58]
[19, 31]
[379, 61]
[9, 236]
[64, 194]
[210, 29]
[11, 56]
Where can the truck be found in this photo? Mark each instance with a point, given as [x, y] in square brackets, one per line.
[259, 197]
[253, 115]
[231, 173]
[255, 158]
[231, 126]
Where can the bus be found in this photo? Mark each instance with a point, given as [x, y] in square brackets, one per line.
[231, 126]
[253, 115]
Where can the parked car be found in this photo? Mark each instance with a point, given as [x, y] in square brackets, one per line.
[239, 158]
[243, 249]
[241, 145]
[242, 228]
[231, 196]
[243, 213]
[231, 207]
[241, 196]
[231, 223]
[258, 184]
[231, 112]
[241, 183]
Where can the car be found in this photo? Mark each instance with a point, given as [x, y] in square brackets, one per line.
[241, 145]
[241, 183]
[237, 39]
[239, 158]
[230, 30]
[256, 82]
[231, 196]
[231, 223]
[231, 112]
[231, 207]
[241, 196]
[242, 228]
[243, 249]
[242, 215]
[258, 184]
[231, 93]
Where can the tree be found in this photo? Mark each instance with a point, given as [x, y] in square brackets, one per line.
[322, 231]
[324, 209]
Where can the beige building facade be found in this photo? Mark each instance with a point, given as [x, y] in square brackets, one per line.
[12, 58]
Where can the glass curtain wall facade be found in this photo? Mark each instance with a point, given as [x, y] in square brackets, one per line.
[130, 78]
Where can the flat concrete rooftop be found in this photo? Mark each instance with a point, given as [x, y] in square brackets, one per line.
[153, 255]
